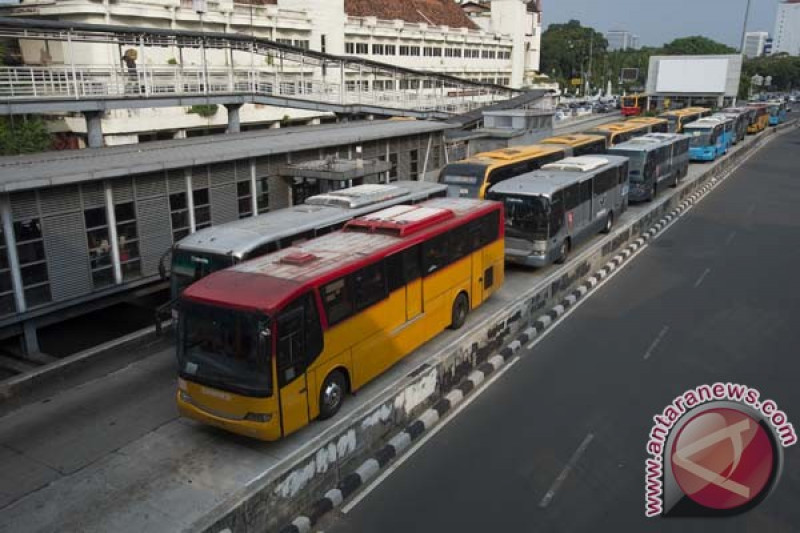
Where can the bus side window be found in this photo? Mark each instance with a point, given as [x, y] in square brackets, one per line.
[369, 285]
[623, 173]
[572, 197]
[459, 243]
[402, 267]
[435, 253]
[586, 191]
[556, 213]
[337, 301]
[264, 249]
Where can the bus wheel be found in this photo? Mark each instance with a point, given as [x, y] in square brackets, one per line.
[609, 222]
[563, 252]
[460, 311]
[331, 396]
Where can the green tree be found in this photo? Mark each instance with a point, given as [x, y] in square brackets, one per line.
[783, 69]
[696, 45]
[20, 135]
[566, 52]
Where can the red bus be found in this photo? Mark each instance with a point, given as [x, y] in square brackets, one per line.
[272, 343]
[632, 105]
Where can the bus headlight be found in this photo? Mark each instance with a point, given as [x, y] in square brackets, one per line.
[258, 417]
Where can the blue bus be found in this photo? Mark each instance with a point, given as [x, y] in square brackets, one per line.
[777, 112]
[707, 139]
[729, 129]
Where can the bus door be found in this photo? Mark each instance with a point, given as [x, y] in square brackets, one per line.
[472, 237]
[299, 342]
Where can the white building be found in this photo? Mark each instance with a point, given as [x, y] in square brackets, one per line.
[754, 43]
[498, 45]
[622, 40]
[787, 28]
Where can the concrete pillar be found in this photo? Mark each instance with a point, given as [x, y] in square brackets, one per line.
[94, 128]
[29, 338]
[234, 122]
[11, 248]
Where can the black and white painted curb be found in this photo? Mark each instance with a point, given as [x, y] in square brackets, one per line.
[400, 442]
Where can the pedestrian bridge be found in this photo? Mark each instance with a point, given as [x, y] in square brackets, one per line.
[277, 74]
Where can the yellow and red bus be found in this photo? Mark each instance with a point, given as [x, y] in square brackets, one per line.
[577, 144]
[270, 344]
[633, 104]
[680, 117]
[473, 176]
[619, 132]
[656, 124]
[760, 119]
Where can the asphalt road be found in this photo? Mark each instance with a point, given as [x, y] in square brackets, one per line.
[715, 298]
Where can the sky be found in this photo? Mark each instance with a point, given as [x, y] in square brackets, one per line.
[659, 21]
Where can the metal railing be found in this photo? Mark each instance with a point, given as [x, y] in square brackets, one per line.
[84, 82]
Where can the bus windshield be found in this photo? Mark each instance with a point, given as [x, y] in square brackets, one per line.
[220, 347]
[463, 176]
[700, 137]
[189, 266]
[636, 164]
[526, 216]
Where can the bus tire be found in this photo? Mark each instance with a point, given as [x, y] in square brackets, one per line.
[609, 223]
[460, 311]
[563, 252]
[331, 395]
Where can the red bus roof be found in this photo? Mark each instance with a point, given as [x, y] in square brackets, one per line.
[267, 283]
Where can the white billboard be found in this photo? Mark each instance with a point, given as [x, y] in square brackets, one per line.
[692, 75]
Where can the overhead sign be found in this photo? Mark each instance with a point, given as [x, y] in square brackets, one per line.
[576, 82]
[629, 74]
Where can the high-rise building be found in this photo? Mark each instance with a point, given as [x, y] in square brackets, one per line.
[787, 28]
[492, 42]
[622, 40]
[755, 43]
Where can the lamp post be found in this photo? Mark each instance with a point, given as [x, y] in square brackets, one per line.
[744, 26]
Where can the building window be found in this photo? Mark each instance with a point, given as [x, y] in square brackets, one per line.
[98, 243]
[245, 196]
[362, 48]
[32, 261]
[413, 166]
[202, 209]
[393, 170]
[427, 83]
[390, 50]
[7, 303]
[349, 48]
[430, 51]
[179, 211]
[452, 52]
[287, 42]
[262, 195]
[305, 44]
[377, 49]
[128, 239]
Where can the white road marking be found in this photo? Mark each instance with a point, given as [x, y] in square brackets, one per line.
[701, 278]
[425, 438]
[656, 342]
[576, 456]
[730, 237]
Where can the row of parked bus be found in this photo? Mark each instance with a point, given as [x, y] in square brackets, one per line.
[279, 316]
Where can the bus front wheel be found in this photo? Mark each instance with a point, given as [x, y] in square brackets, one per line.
[331, 396]
[609, 222]
[563, 252]
[460, 311]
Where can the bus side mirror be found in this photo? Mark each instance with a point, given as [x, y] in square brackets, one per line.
[265, 336]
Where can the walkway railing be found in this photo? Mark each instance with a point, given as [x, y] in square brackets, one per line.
[83, 82]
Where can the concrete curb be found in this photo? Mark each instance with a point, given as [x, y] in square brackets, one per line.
[429, 418]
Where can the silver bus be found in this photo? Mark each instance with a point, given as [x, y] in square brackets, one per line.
[550, 210]
[657, 160]
[741, 118]
[218, 247]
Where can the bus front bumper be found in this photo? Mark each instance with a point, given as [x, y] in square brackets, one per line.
[702, 154]
[530, 259]
[191, 407]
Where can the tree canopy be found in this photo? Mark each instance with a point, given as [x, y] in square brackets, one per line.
[696, 45]
[19, 135]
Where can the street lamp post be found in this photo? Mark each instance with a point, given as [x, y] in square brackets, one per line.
[744, 26]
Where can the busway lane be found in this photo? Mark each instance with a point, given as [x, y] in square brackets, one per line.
[148, 452]
[579, 405]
